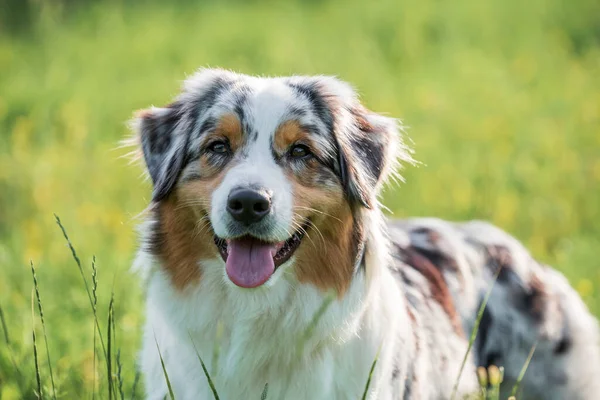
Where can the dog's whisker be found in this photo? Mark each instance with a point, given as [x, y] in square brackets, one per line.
[192, 203]
[299, 227]
[317, 211]
[201, 226]
[310, 223]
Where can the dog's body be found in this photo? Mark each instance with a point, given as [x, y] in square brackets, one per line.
[266, 254]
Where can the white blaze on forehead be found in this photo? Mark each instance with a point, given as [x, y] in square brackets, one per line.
[268, 107]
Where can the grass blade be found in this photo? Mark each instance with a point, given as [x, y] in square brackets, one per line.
[474, 331]
[162, 363]
[315, 320]
[39, 302]
[217, 346]
[9, 347]
[114, 334]
[210, 381]
[35, 353]
[4, 327]
[523, 370]
[364, 396]
[95, 307]
[94, 366]
[94, 284]
[119, 374]
[111, 387]
[87, 289]
[263, 396]
[136, 379]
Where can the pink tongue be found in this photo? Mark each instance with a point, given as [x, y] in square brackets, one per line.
[249, 262]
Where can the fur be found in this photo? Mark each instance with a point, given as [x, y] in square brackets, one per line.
[406, 292]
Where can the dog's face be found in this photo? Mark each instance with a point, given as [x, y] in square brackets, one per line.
[265, 174]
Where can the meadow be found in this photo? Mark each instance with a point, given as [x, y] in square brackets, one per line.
[501, 100]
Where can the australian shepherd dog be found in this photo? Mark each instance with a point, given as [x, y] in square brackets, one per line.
[267, 257]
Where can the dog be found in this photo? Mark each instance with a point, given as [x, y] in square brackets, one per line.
[268, 261]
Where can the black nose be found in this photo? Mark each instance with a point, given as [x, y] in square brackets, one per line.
[247, 205]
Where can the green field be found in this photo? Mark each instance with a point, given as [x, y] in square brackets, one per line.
[501, 99]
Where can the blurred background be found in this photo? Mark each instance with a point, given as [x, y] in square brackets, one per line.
[501, 99]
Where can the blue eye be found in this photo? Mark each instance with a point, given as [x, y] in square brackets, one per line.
[299, 151]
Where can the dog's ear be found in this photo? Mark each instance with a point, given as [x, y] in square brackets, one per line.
[370, 146]
[369, 151]
[163, 140]
[164, 133]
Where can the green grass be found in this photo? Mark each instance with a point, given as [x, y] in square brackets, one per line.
[501, 99]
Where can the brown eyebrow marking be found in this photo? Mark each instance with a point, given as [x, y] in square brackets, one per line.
[230, 127]
[288, 133]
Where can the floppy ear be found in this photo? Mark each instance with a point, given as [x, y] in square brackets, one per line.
[163, 140]
[164, 134]
[369, 145]
[369, 151]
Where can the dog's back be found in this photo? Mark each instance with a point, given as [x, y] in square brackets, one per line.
[530, 304]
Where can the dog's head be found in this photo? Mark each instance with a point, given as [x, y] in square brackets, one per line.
[265, 174]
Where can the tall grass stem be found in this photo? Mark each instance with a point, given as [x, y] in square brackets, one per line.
[87, 289]
[515, 388]
[368, 384]
[208, 378]
[4, 327]
[164, 369]
[474, 331]
[38, 377]
[39, 303]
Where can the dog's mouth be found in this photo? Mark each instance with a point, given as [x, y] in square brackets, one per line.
[250, 261]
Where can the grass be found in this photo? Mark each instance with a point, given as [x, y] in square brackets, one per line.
[41, 310]
[368, 384]
[515, 388]
[474, 332]
[213, 389]
[500, 97]
[164, 369]
[38, 379]
[4, 327]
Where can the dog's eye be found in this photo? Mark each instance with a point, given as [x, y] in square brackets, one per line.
[299, 151]
[219, 147]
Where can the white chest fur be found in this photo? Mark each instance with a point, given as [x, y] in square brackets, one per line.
[248, 339]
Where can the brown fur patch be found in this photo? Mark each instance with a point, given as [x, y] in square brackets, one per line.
[287, 134]
[230, 127]
[176, 244]
[537, 298]
[327, 256]
[183, 235]
[363, 124]
[437, 284]
[500, 261]
[435, 253]
[415, 326]
[290, 132]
